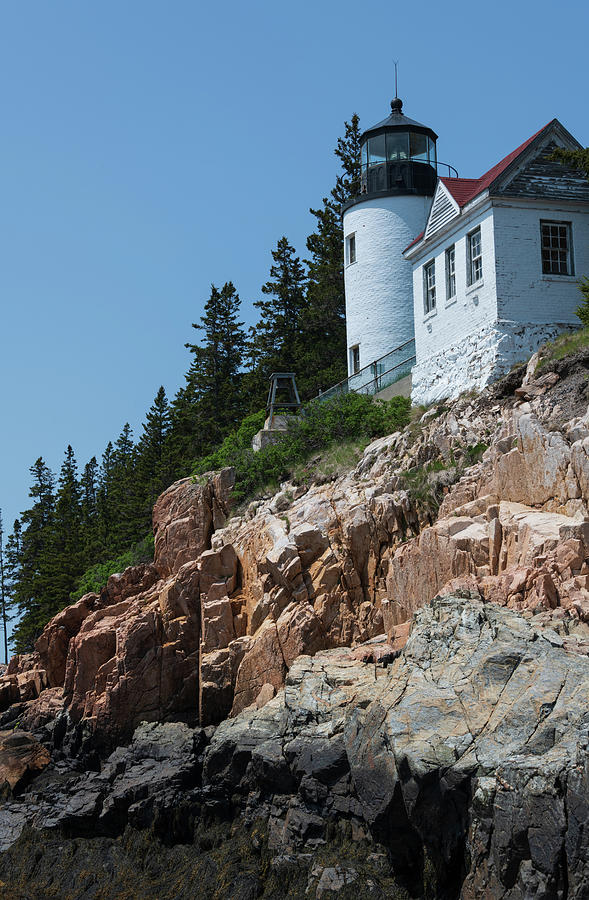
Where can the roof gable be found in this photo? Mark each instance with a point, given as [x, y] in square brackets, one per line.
[537, 175]
[526, 171]
[443, 209]
[466, 189]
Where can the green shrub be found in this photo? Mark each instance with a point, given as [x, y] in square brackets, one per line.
[582, 310]
[319, 425]
[96, 576]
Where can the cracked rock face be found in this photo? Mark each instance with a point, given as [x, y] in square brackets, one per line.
[448, 738]
[214, 625]
[470, 748]
[462, 763]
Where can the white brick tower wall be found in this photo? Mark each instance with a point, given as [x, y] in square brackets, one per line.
[379, 289]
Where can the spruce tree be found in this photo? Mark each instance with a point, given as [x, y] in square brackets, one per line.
[3, 592]
[33, 583]
[154, 471]
[348, 152]
[323, 354]
[275, 342]
[63, 558]
[12, 564]
[105, 511]
[123, 494]
[211, 402]
[92, 545]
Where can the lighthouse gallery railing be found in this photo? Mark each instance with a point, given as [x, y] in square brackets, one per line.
[381, 373]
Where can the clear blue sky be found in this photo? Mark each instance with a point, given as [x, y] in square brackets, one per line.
[150, 148]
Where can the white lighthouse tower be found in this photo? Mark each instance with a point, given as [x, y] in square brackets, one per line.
[399, 174]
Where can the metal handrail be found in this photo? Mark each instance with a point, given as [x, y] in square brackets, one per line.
[373, 373]
[377, 381]
[452, 172]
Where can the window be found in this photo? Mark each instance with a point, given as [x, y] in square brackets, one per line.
[557, 257]
[350, 249]
[450, 272]
[397, 145]
[355, 359]
[429, 286]
[475, 256]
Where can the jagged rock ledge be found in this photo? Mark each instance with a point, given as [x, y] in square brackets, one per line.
[344, 760]
[460, 765]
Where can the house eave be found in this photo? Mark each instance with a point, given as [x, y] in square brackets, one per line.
[474, 206]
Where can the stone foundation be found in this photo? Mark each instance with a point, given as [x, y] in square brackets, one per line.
[479, 359]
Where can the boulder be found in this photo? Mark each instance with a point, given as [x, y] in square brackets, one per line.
[21, 759]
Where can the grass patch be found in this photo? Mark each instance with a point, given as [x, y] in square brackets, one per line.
[425, 488]
[95, 578]
[342, 426]
[564, 345]
[337, 459]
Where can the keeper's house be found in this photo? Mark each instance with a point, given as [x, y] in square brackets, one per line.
[492, 275]
[495, 271]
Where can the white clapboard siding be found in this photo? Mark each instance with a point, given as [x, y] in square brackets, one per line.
[443, 209]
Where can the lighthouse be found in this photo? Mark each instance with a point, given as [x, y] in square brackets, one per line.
[399, 175]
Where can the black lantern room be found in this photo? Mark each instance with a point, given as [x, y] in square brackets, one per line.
[399, 156]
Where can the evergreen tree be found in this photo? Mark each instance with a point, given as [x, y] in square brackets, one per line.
[118, 500]
[3, 592]
[92, 545]
[348, 152]
[105, 512]
[12, 564]
[154, 472]
[275, 342]
[33, 580]
[211, 402]
[63, 558]
[323, 354]
[123, 495]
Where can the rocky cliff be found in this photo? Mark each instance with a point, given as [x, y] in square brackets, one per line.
[375, 686]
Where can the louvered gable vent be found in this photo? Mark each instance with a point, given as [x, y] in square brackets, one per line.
[443, 209]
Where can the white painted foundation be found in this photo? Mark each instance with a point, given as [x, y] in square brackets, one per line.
[478, 359]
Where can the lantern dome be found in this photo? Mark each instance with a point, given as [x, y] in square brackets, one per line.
[398, 156]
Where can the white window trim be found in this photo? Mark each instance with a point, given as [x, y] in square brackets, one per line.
[427, 287]
[569, 249]
[450, 298]
[351, 238]
[470, 280]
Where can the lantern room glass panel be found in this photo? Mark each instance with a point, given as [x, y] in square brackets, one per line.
[397, 145]
[376, 149]
[418, 146]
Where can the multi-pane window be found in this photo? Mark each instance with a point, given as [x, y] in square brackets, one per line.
[350, 249]
[355, 359]
[450, 272]
[556, 248]
[475, 256]
[429, 286]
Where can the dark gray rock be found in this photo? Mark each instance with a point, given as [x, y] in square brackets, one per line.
[461, 769]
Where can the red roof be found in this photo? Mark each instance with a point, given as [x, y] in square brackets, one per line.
[415, 240]
[466, 189]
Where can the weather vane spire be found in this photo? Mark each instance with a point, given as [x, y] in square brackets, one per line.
[396, 104]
